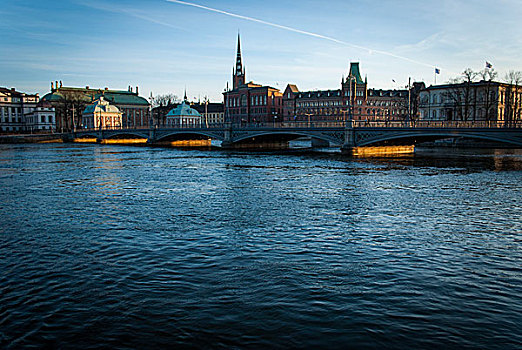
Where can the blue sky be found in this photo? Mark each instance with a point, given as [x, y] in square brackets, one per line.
[164, 47]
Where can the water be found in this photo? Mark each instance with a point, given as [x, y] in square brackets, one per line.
[135, 247]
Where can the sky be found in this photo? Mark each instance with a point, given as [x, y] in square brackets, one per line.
[167, 46]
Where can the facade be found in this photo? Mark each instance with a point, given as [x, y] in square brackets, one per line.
[41, 118]
[484, 101]
[248, 102]
[102, 115]
[14, 106]
[70, 101]
[212, 113]
[183, 116]
[366, 104]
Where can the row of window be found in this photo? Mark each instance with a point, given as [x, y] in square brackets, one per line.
[256, 100]
[29, 119]
[337, 111]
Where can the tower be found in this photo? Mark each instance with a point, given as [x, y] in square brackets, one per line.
[238, 73]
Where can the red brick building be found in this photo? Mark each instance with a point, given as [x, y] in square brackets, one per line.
[248, 102]
[334, 105]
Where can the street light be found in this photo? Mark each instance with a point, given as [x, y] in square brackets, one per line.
[308, 115]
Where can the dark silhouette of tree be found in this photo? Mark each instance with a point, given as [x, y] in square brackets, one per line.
[512, 97]
[71, 103]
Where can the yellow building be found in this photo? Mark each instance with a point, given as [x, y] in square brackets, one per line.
[101, 115]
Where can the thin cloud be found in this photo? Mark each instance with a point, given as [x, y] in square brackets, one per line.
[304, 32]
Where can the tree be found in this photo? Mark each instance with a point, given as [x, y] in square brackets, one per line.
[512, 97]
[462, 95]
[71, 104]
[490, 95]
[165, 100]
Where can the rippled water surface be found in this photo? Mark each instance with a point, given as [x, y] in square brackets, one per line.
[135, 247]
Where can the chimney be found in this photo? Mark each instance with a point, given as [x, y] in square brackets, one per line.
[137, 90]
[87, 87]
[52, 86]
[13, 89]
[56, 84]
[106, 88]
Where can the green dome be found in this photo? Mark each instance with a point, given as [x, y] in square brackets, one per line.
[183, 110]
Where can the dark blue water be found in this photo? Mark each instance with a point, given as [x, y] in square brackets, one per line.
[131, 247]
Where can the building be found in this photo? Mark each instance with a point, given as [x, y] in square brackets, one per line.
[212, 113]
[101, 115]
[70, 101]
[183, 116]
[41, 118]
[248, 102]
[14, 106]
[483, 101]
[334, 105]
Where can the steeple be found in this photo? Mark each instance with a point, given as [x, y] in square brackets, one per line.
[238, 73]
[185, 96]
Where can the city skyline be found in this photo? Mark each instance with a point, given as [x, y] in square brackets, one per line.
[167, 46]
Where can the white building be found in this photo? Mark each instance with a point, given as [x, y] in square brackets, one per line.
[14, 105]
[101, 115]
[42, 117]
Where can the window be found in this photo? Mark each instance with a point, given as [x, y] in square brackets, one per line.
[50, 118]
[43, 118]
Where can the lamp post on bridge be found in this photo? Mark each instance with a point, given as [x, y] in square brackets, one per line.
[308, 115]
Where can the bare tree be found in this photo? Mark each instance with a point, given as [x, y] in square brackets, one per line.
[463, 96]
[165, 100]
[489, 90]
[512, 97]
[70, 108]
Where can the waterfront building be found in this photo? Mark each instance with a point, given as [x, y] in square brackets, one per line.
[101, 115]
[474, 101]
[70, 101]
[41, 118]
[367, 104]
[248, 102]
[183, 116]
[14, 106]
[212, 113]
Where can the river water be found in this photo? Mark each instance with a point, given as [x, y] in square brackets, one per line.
[137, 247]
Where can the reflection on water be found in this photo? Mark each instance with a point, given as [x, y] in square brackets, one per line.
[135, 247]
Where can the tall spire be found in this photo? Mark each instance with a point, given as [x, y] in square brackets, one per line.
[239, 64]
[238, 72]
[185, 96]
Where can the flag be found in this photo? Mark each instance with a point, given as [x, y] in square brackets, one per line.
[393, 80]
[437, 71]
[488, 65]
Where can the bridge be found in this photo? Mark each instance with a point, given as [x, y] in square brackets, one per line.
[347, 135]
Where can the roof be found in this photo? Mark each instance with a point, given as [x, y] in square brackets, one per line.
[14, 92]
[458, 85]
[101, 106]
[183, 109]
[355, 72]
[117, 97]
[293, 87]
[319, 93]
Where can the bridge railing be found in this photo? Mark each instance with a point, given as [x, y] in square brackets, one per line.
[454, 124]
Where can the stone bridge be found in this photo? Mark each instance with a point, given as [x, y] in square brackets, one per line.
[345, 135]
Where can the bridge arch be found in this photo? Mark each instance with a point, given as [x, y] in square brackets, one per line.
[285, 135]
[432, 136]
[187, 135]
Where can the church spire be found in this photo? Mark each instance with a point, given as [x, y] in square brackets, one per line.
[239, 72]
[185, 96]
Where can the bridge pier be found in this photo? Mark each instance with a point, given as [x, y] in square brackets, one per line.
[319, 143]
